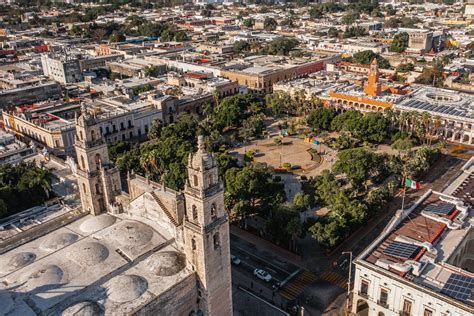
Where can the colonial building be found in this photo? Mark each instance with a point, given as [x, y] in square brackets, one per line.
[422, 263]
[148, 251]
[370, 96]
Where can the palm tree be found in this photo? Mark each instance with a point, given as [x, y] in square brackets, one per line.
[149, 162]
[437, 125]
[41, 178]
[391, 117]
[402, 120]
[426, 119]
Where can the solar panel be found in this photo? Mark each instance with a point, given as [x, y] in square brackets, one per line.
[459, 287]
[440, 208]
[401, 250]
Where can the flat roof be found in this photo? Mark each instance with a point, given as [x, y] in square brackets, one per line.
[425, 243]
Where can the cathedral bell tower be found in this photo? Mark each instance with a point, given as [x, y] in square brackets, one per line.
[98, 181]
[206, 233]
[372, 87]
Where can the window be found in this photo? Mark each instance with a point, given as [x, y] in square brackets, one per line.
[97, 188]
[92, 135]
[129, 123]
[213, 211]
[383, 297]
[80, 134]
[427, 312]
[217, 241]
[84, 188]
[193, 244]
[122, 126]
[83, 163]
[195, 180]
[406, 308]
[97, 161]
[195, 212]
[364, 288]
[211, 180]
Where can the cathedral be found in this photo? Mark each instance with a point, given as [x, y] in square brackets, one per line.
[148, 251]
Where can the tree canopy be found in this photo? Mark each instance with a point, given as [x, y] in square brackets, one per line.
[23, 186]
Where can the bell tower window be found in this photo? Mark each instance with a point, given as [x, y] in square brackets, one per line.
[83, 163]
[213, 211]
[217, 241]
[97, 161]
[92, 135]
[195, 212]
[195, 180]
[193, 244]
[211, 180]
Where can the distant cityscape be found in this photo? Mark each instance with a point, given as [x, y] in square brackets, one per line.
[221, 157]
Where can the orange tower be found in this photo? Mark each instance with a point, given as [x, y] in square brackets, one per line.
[372, 87]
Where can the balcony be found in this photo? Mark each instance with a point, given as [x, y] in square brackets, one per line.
[364, 295]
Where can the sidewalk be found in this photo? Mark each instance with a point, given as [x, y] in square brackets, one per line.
[266, 245]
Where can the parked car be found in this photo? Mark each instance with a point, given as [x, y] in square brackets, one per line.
[262, 274]
[235, 260]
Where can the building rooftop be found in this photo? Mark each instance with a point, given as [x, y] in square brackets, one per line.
[440, 102]
[427, 243]
[122, 262]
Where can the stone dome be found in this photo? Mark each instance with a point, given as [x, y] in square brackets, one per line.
[125, 288]
[83, 309]
[88, 253]
[17, 261]
[58, 241]
[131, 233]
[97, 223]
[45, 275]
[166, 263]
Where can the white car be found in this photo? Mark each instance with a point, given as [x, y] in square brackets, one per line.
[235, 260]
[262, 274]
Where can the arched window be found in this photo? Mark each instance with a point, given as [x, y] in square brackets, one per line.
[92, 135]
[195, 180]
[217, 241]
[211, 180]
[97, 188]
[83, 162]
[195, 212]
[213, 210]
[193, 244]
[84, 188]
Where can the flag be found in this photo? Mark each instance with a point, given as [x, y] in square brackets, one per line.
[412, 184]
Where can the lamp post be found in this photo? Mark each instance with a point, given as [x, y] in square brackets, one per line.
[348, 280]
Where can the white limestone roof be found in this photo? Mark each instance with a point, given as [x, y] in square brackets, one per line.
[117, 262]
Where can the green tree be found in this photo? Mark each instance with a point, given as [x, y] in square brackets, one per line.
[249, 23]
[280, 103]
[253, 126]
[241, 46]
[349, 19]
[356, 164]
[180, 36]
[116, 37]
[365, 57]
[321, 118]
[399, 43]
[251, 190]
[270, 24]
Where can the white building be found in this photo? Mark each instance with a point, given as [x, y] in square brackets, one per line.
[423, 262]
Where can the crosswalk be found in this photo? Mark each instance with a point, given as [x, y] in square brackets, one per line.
[335, 278]
[296, 287]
